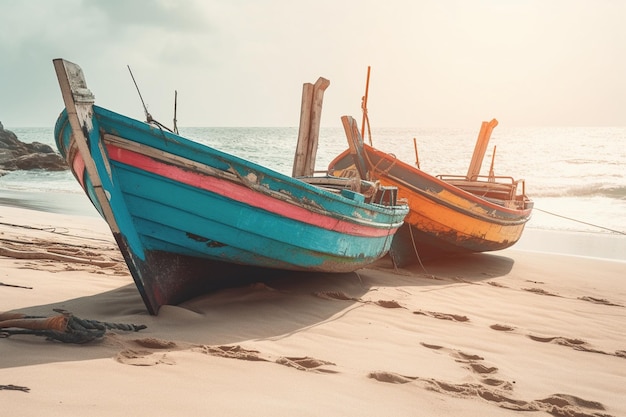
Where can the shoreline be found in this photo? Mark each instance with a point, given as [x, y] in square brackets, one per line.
[484, 334]
[601, 245]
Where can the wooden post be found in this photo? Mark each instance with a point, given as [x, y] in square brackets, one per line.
[355, 142]
[299, 160]
[480, 148]
[309, 130]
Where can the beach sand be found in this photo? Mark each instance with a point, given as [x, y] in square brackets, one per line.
[508, 333]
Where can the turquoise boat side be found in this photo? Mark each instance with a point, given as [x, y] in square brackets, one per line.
[184, 211]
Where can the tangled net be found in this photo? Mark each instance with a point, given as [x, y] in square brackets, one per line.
[63, 327]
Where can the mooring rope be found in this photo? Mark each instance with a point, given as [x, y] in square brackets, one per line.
[580, 221]
[416, 253]
[64, 327]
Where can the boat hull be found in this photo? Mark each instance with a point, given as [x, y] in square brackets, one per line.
[443, 218]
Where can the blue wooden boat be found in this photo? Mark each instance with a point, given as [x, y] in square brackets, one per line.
[189, 218]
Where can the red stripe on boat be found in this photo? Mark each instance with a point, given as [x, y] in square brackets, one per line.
[242, 194]
[78, 167]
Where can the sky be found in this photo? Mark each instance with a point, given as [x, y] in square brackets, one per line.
[434, 63]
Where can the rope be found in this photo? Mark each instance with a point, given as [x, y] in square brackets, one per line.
[65, 327]
[580, 221]
[415, 249]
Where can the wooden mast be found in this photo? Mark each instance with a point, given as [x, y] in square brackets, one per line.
[364, 103]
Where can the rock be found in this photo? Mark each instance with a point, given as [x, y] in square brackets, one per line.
[16, 155]
[40, 160]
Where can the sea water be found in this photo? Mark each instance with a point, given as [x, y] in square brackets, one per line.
[575, 175]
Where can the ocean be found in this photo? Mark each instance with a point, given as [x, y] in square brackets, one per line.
[575, 175]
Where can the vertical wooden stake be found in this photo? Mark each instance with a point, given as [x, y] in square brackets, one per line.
[480, 148]
[299, 161]
[308, 134]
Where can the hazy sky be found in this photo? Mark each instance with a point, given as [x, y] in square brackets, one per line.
[243, 62]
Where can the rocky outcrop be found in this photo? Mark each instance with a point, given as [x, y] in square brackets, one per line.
[16, 155]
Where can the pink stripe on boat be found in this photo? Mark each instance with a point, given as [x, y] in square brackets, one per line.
[242, 194]
[78, 167]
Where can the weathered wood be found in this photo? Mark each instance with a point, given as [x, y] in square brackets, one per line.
[299, 161]
[355, 142]
[308, 134]
[78, 101]
[480, 148]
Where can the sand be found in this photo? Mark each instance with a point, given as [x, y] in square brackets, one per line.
[514, 332]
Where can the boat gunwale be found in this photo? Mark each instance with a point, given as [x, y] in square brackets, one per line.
[526, 212]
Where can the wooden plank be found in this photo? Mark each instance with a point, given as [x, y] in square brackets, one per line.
[314, 130]
[480, 148]
[299, 161]
[308, 133]
[355, 142]
[78, 105]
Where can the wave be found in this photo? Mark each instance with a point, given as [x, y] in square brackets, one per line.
[617, 192]
[595, 161]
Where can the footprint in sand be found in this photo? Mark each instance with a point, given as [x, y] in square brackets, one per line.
[540, 291]
[569, 405]
[154, 343]
[388, 304]
[306, 363]
[599, 301]
[391, 377]
[232, 352]
[494, 390]
[496, 284]
[472, 361]
[502, 327]
[576, 344]
[442, 316]
[338, 295]
[142, 358]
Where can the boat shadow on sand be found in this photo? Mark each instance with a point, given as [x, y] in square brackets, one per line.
[268, 309]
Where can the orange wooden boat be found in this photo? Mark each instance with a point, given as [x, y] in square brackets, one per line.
[449, 214]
